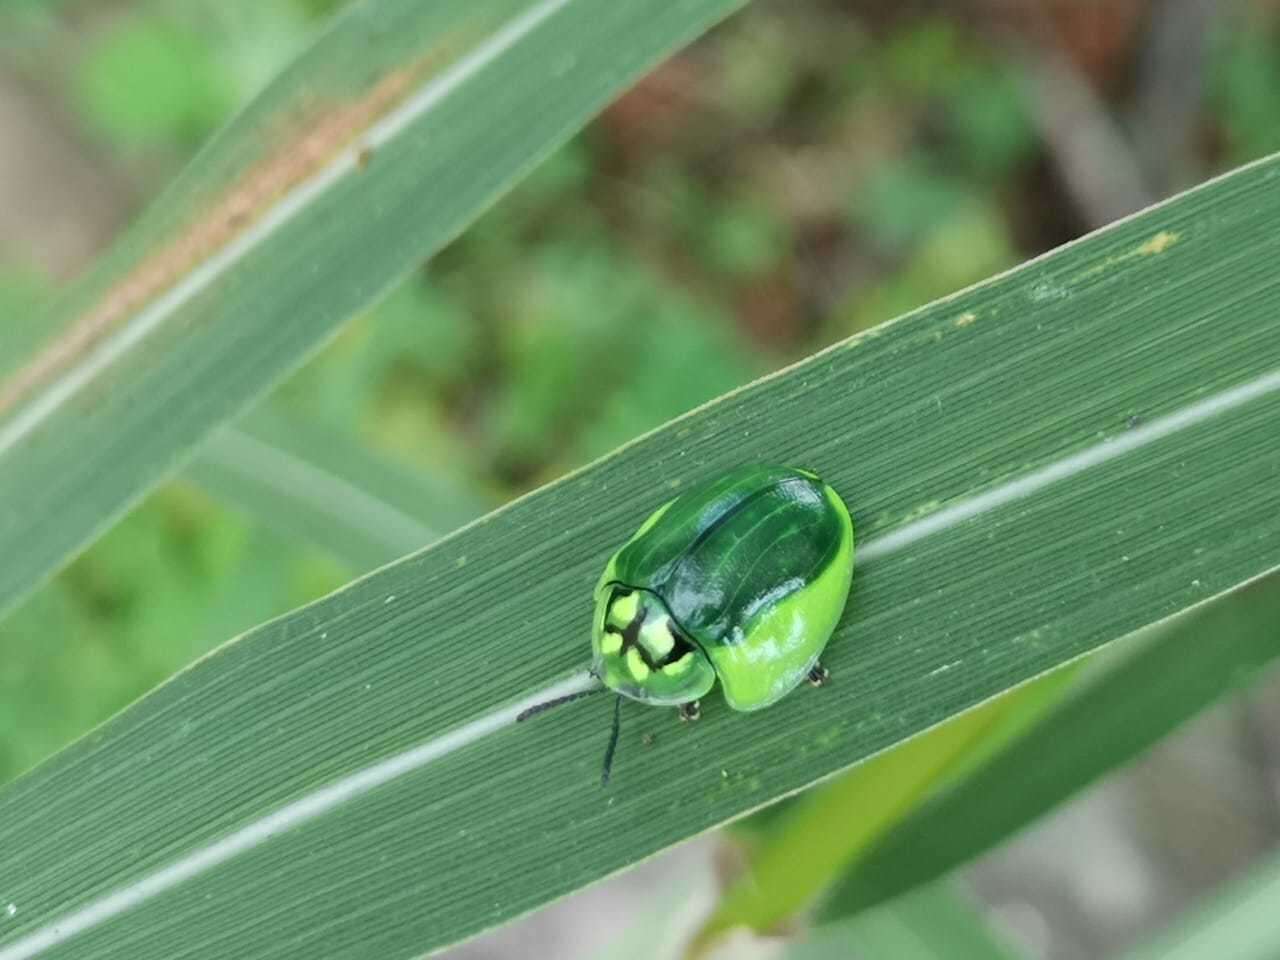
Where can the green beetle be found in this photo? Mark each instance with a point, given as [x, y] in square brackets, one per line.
[743, 578]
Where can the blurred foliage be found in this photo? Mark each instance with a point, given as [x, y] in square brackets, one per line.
[806, 171]
[1243, 86]
[147, 83]
[166, 584]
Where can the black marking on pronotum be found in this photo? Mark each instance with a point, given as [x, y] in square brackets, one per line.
[631, 634]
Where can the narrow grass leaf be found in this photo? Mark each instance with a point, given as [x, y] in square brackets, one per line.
[329, 490]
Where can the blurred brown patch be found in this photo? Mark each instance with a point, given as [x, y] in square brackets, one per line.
[1098, 36]
[654, 114]
[768, 310]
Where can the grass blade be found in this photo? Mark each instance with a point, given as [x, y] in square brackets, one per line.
[328, 489]
[1133, 376]
[402, 123]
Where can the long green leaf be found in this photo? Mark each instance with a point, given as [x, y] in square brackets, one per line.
[402, 123]
[329, 490]
[1167, 676]
[1037, 466]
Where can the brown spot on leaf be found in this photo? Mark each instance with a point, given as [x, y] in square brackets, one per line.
[325, 131]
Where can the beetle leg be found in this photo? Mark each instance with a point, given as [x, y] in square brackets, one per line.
[690, 711]
[818, 675]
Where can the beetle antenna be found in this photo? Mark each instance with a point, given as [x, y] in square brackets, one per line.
[537, 708]
[613, 742]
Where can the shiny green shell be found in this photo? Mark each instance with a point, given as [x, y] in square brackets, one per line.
[743, 578]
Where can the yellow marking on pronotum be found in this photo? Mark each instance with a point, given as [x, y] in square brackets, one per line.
[611, 643]
[657, 638]
[635, 663]
[624, 609]
[679, 666]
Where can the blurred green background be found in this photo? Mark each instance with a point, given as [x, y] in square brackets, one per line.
[807, 170]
